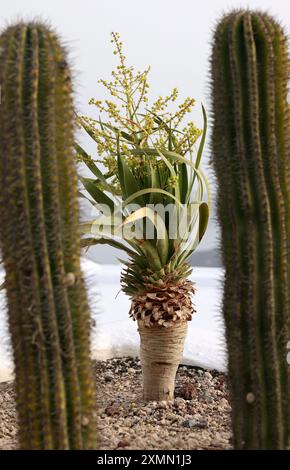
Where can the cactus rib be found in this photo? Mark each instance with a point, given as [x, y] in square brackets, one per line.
[251, 161]
[48, 317]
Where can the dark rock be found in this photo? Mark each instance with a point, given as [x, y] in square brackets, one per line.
[108, 377]
[123, 443]
[194, 423]
[188, 391]
[112, 410]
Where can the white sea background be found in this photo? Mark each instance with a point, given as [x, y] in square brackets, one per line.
[175, 39]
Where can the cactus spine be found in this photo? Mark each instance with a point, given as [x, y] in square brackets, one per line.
[251, 157]
[47, 305]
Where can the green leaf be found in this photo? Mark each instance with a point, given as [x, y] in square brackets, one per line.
[162, 244]
[100, 227]
[127, 180]
[176, 157]
[155, 198]
[151, 254]
[169, 166]
[150, 151]
[86, 242]
[83, 196]
[202, 141]
[89, 162]
[86, 128]
[162, 124]
[183, 182]
[142, 192]
[125, 135]
[99, 196]
[203, 219]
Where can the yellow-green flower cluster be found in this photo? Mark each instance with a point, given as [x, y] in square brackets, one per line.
[127, 121]
[171, 181]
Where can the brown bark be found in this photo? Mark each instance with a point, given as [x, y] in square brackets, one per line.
[161, 352]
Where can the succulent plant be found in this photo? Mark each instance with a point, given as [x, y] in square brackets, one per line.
[251, 157]
[152, 180]
[39, 237]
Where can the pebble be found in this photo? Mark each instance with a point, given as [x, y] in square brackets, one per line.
[208, 375]
[163, 404]
[224, 403]
[179, 402]
[108, 377]
[188, 391]
[188, 423]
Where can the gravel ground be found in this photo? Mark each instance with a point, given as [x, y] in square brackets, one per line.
[198, 418]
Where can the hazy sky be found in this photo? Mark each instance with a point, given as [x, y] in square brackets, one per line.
[172, 36]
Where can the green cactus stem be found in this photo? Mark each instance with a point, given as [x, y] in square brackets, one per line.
[251, 157]
[40, 244]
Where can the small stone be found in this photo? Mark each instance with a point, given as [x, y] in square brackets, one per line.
[210, 399]
[193, 423]
[163, 404]
[188, 391]
[188, 423]
[108, 377]
[224, 403]
[131, 370]
[179, 402]
[123, 443]
[207, 375]
[171, 417]
[202, 423]
[148, 410]
[112, 410]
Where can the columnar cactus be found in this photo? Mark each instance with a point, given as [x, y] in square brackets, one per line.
[251, 157]
[40, 244]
